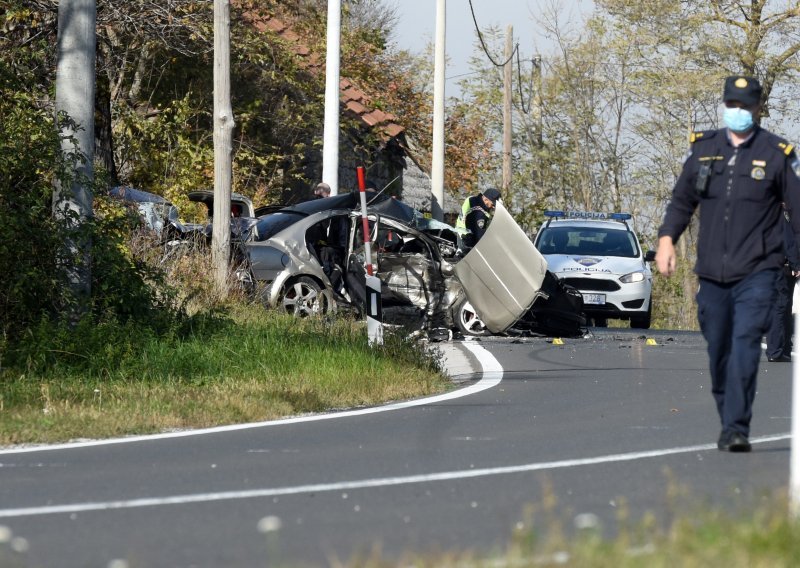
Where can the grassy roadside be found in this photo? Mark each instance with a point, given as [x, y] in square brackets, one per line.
[690, 535]
[247, 366]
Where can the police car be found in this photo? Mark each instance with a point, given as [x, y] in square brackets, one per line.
[600, 256]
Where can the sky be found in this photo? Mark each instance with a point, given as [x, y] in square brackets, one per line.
[417, 26]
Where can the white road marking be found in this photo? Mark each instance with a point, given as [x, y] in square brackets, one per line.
[361, 484]
[492, 375]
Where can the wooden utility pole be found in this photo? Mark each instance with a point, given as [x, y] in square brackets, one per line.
[537, 98]
[507, 94]
[223, 147]
[72, 199]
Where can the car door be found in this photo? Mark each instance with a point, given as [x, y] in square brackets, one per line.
[502, 274]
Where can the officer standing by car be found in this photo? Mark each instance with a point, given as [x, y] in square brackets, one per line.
[476, 213]
[738, 176]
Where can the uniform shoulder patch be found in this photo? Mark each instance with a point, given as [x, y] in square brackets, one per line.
[701, 135]
[781, 144]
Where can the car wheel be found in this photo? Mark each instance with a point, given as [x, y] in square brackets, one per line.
[303, 298]
[643, 322]
[468, 321]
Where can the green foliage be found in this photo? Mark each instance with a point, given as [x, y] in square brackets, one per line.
[30, 159]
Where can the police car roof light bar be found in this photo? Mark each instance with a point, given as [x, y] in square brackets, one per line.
[589, 215]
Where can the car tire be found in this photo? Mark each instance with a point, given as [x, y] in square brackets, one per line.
[642, 322]
[468, 321]
[303, 298]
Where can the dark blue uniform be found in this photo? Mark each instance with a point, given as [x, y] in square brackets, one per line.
[779, 336]
[739, 191]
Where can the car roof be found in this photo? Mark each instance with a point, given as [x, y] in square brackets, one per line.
[376, 203]
[135, 195]
[587, 223]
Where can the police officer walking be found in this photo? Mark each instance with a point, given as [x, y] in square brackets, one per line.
[738, 176]
[476, 213]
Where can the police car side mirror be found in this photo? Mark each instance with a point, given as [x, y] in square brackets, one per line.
[650, 256]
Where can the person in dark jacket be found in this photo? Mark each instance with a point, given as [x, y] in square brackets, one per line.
[476, 213]
[737, 176]
[779, 335]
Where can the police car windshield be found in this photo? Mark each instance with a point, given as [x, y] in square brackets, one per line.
[595, 241]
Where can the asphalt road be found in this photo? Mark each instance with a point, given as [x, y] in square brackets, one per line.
[598, 428]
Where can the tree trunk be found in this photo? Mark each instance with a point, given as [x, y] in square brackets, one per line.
[104, 141]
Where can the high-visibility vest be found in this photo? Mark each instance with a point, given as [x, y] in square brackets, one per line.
[461, 222]
[466, 209]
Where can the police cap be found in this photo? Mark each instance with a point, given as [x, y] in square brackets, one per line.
[492, 194]
[745, 90]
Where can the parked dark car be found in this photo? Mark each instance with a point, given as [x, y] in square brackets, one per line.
[156, 212]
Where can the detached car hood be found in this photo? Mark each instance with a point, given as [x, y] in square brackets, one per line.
[568, 264]
[503, 274]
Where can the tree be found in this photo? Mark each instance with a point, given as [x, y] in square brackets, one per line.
[682, 53]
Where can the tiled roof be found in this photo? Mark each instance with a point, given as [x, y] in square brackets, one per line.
[354, 99]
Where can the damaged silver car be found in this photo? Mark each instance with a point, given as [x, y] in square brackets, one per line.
[309, 259]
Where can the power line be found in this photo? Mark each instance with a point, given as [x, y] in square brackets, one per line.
[483, 44]
[503, 64]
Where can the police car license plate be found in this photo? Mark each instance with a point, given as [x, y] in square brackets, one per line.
[594, 299]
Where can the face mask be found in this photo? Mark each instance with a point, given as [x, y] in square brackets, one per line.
[737, 119]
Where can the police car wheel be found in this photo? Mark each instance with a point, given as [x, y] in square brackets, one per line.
[642, 322]
[468, 321]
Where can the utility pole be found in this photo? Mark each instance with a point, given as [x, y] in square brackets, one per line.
[507, 93]
[223, 146]
[437, 159]
[75, 86]
[330, 140]
[537, 98]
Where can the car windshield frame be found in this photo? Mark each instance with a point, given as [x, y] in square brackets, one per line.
[582, 240]
[270, 225]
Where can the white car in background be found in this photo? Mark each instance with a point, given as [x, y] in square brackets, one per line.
[600, 256]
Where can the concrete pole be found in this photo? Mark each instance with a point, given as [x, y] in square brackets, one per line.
[330, 143]
[75, 87]
[507, 85]
[437, 159]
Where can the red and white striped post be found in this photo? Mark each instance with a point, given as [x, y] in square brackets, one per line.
[373, 296]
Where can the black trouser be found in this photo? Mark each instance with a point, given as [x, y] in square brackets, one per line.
[734, 318]
[779, 335]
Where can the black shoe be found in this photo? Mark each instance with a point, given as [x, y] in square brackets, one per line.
[730, 441]
[780, 359]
